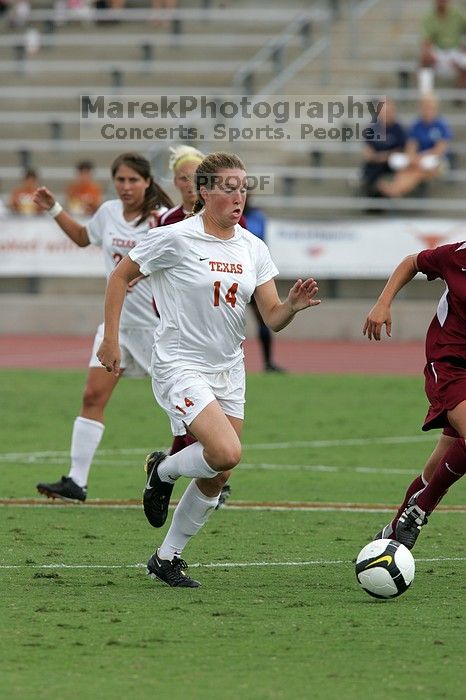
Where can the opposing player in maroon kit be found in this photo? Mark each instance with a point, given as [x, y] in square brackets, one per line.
[183, 163]
[445, 380]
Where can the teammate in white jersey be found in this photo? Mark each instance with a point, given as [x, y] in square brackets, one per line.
[117, 226]
[203, 271]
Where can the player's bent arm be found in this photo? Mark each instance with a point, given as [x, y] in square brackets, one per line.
[124, 273]
[380, 314]
[277, 314]
[74, 230]
[45, 199]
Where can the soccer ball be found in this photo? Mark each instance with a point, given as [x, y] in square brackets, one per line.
[385, 568]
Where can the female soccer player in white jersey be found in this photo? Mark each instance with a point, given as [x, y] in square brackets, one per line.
[183, 163]
[203, 272]
[117, 226]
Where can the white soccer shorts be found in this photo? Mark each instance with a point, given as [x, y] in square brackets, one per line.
[136, 350]
[186, 393]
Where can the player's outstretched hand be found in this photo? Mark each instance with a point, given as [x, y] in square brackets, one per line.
[43, 198]
[109, 356]
[378, 316]
[302, 294]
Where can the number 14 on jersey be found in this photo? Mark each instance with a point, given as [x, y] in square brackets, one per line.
[230, 296]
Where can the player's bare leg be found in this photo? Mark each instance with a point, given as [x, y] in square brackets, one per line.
[451, 468]
[222, 450]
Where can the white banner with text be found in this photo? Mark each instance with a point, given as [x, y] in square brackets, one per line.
[366, 249]
[36, 247]
[354, 249]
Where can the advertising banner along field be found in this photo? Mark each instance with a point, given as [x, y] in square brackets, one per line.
[354, 249]
[367, 249]
[36, 247]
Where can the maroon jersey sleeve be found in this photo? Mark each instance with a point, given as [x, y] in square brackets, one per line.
[173, 216]
[433, 262]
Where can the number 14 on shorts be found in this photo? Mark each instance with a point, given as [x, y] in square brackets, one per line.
[187, 402]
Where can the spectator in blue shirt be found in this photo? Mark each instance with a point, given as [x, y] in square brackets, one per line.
[425, 153]
[389, 138]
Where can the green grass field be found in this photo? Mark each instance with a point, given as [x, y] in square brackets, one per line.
[279, 614]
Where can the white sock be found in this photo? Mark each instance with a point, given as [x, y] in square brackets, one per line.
[190, 514]
[187, 462]
[86, 437]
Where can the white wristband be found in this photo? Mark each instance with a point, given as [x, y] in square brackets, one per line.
[55, 210]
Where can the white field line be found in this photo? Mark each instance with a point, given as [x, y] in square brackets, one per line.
[262, 466]
[216, 565]
[350, 442]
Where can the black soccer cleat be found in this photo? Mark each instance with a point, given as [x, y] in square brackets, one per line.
[225, 494]
[66, 489]
[156, 495]
[409, 524]
[170, 572]
[270, 367]
[386, 533]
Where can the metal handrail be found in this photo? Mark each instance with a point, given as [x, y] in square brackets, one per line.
[273, 49]
[320, 48]
[314, 51]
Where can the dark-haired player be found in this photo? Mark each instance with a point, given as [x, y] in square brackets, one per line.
[117, 226]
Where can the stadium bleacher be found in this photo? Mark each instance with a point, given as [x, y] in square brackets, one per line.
[329, 47]
[216, 50]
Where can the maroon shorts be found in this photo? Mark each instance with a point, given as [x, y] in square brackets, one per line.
[445, 385]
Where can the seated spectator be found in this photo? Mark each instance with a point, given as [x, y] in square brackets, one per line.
[21, 201]
[4, 5]
[443, 48]
[109, 4]
[163, 5]
[84, 195]
[377, 152]
[426, 152]
[19, 13]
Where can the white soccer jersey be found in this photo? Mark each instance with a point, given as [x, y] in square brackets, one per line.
[202, 285]
[116, 236]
